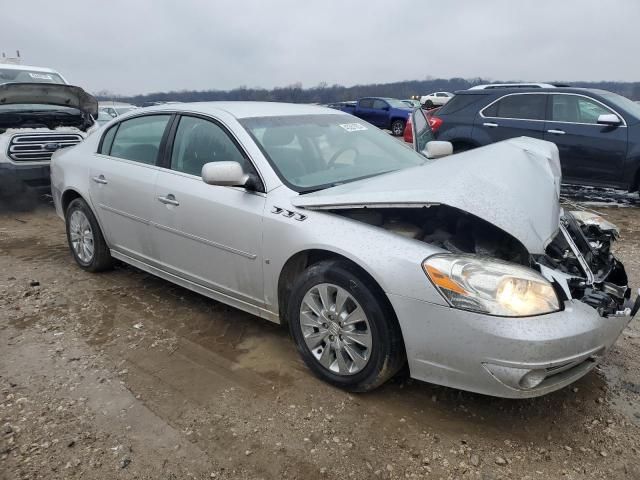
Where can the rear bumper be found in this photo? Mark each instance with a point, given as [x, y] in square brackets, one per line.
[504, 357]
[15, 178]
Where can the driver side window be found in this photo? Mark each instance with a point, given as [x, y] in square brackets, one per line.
[200, 141]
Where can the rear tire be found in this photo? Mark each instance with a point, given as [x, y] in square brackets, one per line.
[86, 242]
[397, 127]
[345, 331]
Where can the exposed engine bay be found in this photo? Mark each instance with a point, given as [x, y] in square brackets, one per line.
[46, 118]
[578, 259]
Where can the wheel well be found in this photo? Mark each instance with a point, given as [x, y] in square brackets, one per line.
[68, 197]
[301, 261]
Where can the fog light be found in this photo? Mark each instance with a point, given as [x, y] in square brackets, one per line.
[518, 378]
[532, 379]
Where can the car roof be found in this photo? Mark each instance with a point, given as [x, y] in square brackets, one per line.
[12, 66]
[247, 109]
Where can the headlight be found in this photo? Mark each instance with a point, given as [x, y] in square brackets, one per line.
[491, 286]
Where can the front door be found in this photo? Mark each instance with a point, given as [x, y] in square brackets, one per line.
[210, 235]
[380, 113]
[122, 182]
[589, 153]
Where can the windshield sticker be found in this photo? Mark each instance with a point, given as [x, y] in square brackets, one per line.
[353, 127]
[41, 76]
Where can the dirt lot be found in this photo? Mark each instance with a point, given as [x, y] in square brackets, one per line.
[123, 375]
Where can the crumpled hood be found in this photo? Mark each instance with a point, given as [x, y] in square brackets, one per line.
[514, 184]
[48, 94]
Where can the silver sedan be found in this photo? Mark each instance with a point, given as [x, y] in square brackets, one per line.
[374, 254]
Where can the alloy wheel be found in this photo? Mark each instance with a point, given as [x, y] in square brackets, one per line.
[81, 236]
[335, 328]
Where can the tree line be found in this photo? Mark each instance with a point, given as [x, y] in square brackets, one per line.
[324, 93]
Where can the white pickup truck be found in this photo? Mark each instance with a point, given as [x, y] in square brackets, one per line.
[39, 114]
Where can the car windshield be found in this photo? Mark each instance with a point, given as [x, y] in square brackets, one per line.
[624, 103]
[312, 152]
[12, 75]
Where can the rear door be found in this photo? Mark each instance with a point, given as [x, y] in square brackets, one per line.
[589, 153]
[210, 235]
[513, 115]
[122, 181]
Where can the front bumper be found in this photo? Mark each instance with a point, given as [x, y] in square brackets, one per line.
[15, 178]
[504, 357]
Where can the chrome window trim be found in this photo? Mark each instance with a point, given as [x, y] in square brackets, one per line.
[188, 113]
[624, 123]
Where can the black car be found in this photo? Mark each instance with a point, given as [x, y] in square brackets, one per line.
[597, 132]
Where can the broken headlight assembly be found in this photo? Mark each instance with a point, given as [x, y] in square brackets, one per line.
[490, 286]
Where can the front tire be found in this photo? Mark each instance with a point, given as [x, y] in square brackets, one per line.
[397, 127]
[344, 330]
[85, 238]
[429, 104]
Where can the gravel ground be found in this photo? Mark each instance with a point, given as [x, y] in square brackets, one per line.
[123, 375]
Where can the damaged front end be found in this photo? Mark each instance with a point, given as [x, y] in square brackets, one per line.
[502, 202]
[580, 261]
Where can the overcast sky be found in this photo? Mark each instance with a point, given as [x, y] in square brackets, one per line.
[142, 46]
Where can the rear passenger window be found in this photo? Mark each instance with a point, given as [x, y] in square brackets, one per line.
[107, 140]
[461, 101]
[523, 107]
[366, 103]
[139, 139]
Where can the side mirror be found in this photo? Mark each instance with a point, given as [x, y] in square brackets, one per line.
[225, 174]
[385, 108]
[609, 119]
[437, 149]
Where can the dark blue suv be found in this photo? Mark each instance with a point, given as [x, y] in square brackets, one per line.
[597, 132]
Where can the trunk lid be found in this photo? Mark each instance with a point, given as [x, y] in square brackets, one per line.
[48, 94]
[514, 184]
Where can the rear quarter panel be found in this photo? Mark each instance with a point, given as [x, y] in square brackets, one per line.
[70, 170]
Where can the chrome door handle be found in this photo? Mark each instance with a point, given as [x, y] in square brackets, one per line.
[100, 179]
[169, 200]
[490, 124]
[556, 132]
